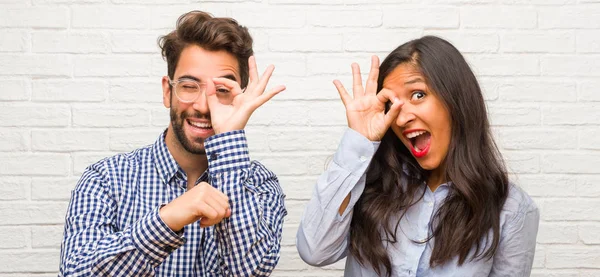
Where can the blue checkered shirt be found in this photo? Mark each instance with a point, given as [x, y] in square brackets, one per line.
[113, 227]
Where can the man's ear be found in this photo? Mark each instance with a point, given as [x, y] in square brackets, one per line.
[166, 92]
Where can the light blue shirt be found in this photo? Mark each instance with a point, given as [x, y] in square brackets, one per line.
[323, 236]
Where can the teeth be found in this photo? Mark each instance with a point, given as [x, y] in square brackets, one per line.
[414, 134]
[200, 124]
[417, 148]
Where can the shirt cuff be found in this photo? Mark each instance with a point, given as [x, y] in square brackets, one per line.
[354, 151]
[227, 151]
[154, 238]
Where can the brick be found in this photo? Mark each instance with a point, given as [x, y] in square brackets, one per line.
[164, 17]
[69, 140]
[377, 41]
[100, 16]
[549, 185]
[290, 260]
[538, 42]
[306, 2]
[305, 42]
[125, 140]
[345, 18]
[550, 232]
[14, 139]
[52, 188]
[36, 65]
[284, 113]
[136, 91]
[581, 114]
[34, 17]
[571, 17]
[254, 17]
[321, 139]
[30, 261]
[32, 213]
[539, 91]
[570, 65]
[13, 41]
[260, 40]
[589, 138]
[588, 233]
[150, 2]
[553, 273]
[539, 258]
[82, 160]
[134, 43]
[288, 235]
[588, 91]
[571, 163]
[288, 64]
[588, 41]
[588, 186]
[498, 17]
[297, 187]
[159, 117]
[46, 236]
[420, 17]
[573, 257]
[110, 116]
[20, 115]
[469, 41]
[513, 115]
[571, 210]
[504, 65]
[69, 42]
[13, 237]
[257, 137]
[536, 138]
[327, 114]
[312, 88]
[69, 90]
[12, 188]
[47, 2]
[284, 165]
[489, 88]
[159, 67]
[338, 65]
[27, 164]
[112, 66]
[519, 162]
[15, 90]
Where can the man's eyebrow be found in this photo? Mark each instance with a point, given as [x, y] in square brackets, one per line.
[417, 80]
[230, 77]
[189, 77]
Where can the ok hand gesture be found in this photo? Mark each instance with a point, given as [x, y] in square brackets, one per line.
[234, 116]
[366, 112]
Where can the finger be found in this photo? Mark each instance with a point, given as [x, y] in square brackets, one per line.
[252, 70]
[394, 111]
[218, 194]
[371, 86]
[264, 79]
[342, 91]
[232, 85]
[268, 95]
[357, 87]
[207, 211]
[385, 95]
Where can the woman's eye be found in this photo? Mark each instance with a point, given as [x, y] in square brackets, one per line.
[417, 95]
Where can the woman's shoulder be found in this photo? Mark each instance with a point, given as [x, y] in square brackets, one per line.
[518, 203]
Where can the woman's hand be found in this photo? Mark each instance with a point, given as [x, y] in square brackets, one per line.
[366, 111]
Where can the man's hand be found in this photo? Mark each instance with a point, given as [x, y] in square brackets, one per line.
[202, 202]
[234, 116]
[366, 112]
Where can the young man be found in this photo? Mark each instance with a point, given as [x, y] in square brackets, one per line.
[191, 204]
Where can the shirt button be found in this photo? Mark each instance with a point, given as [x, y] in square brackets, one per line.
[430, 204]
[362, 158]
[213, 156]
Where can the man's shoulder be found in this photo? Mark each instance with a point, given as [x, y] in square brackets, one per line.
[122, 161]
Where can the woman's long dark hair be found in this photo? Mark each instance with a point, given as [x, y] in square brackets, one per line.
[473, 165]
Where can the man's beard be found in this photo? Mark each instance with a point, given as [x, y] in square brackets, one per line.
[197, 145]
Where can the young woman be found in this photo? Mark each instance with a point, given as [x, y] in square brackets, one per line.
[417, 186]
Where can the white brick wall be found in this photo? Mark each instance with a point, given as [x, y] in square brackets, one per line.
[78, 78]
